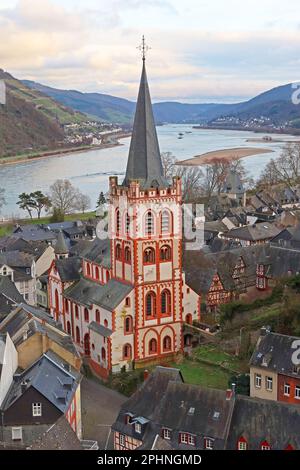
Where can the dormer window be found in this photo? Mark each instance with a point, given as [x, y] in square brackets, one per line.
[242, 444]
[208, 443]
[138, 428]
[187, 438]
[166, 433]
[265, 446]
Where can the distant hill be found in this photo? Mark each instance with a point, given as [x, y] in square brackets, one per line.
[30, 120]
[275, 103]
[106, 107]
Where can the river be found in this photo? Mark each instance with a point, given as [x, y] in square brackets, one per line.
[90, 170]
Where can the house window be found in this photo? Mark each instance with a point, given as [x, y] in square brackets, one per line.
[242, 444]
[149, 256]
[165, 302]
[265, 446]
[67, 306]
[297, 392]
[257, 380]
[103, 354]
[88, 269]
[186, 438]
[106, 323]
[165, 222]
[16, 434]
[128, 325]
[269, 384]
[138, 428]
[127, 352]
[98, 316]
[165, 253]
[167, 344]
[97, 273]
[86, 315]
[36, 409]
[127, 255]
[152, 346]
[127, 301]
[149, 223]
[166, 434]
[77, 335]
[122, 440]
[151, 304]
[287, 390]
[76, 311]
[208, 443]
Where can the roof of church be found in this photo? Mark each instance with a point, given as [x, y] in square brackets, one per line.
[108, 295]
[144, 160]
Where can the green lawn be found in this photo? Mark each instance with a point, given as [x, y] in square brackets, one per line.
[202, 374]
[213, 354]
[8, 228]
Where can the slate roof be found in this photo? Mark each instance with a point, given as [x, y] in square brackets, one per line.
[144, 160]
[16, 259]
[9, 296]
[69, 269]
[258, 420]
[100, 329]
[98, 251]
[34, 233]
[21, 315]
[205, 413]
[200, 268]
[274, 352]
[51, 377]
[59, 436]
[60, 247]
[108, 296]
[168, 402]
[233, 183]
[256, 232]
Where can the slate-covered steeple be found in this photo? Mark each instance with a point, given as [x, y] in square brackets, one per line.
[144, 160]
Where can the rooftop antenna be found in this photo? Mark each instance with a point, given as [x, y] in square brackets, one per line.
[143, 48]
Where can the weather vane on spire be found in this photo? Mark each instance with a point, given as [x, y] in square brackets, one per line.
[143, 48]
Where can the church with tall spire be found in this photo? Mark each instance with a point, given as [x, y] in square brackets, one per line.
[129, 307]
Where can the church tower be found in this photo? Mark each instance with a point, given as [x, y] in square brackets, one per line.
[145, 224]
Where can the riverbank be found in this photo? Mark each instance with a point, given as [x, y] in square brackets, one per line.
[62, 152]
[225, 155]
[257, 130]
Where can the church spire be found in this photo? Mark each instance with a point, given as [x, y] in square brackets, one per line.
[144, 160]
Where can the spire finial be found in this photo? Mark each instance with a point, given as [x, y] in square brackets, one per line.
[143, 48]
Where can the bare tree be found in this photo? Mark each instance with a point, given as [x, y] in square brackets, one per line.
[63, 196]
[83, 202]
[285, 169]
[191, 176]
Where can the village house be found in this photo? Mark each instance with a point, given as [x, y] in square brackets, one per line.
[20, 268]
[10, 297]
[167, 413]
[36, 398]
[255, 234]
[273, 373]
[34, 332]
[220, 277]
[130, 302]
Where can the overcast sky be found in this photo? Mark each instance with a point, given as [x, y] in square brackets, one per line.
[201, 50]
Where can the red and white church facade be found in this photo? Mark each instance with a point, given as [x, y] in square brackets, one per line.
[130, 301]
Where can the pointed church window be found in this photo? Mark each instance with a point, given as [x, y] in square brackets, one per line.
[149, 229]
[165, 222]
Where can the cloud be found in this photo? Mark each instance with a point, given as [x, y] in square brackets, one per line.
[93, 49]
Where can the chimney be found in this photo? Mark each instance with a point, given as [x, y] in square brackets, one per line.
[146, 374]
[229, 394]
[23, 386]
